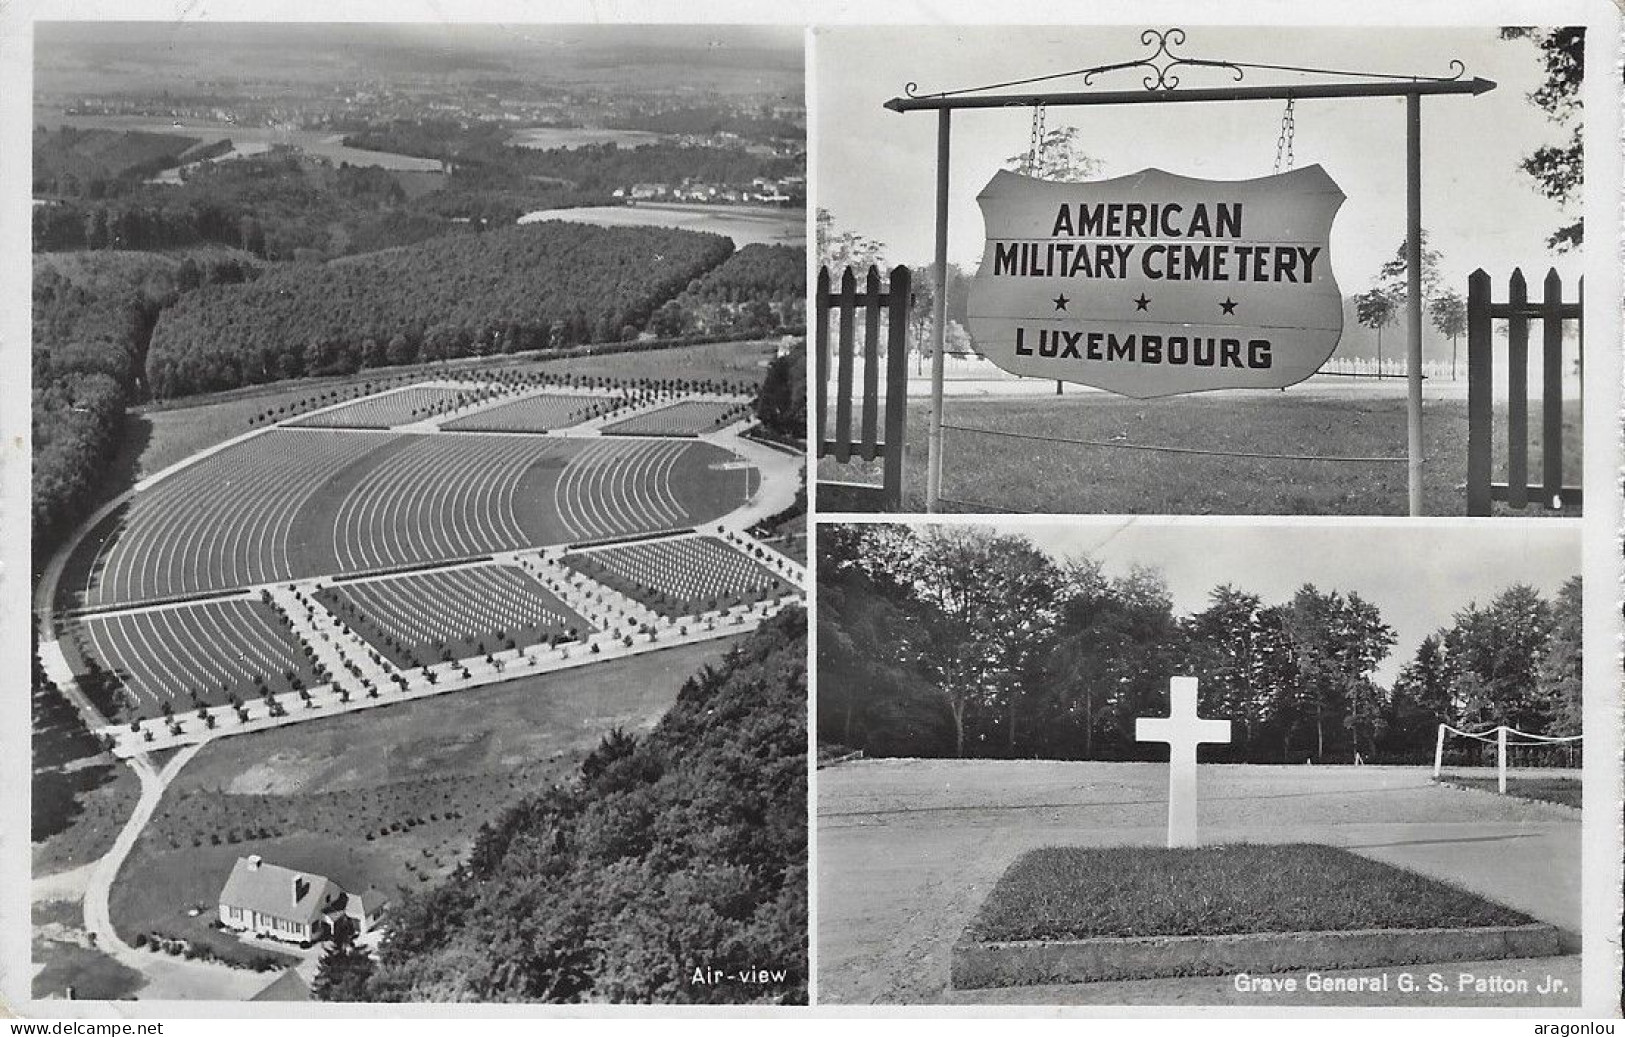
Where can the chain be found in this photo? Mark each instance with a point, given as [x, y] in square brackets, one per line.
[1289, 129]
[1035, 145]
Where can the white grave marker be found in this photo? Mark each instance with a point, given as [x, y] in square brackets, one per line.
[1183, 730]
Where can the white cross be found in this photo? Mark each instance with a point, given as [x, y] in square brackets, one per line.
[1183, 730]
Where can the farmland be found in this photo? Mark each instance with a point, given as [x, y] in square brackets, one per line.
[743, 224]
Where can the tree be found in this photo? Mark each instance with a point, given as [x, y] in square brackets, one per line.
[1060, 157]
[1337, 642]
[1449, 314]
[922, 312]
[1376, 309]
[1559, 169]
[991, 599]
[345, 967]
[1496, 653]
[1559, 672]
[1421, 698]
[838, 249]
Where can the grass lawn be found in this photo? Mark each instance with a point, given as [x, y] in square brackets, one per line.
[990, 473]
[61, 946]
[1563, 791]
[1061, 893]
[390, 798]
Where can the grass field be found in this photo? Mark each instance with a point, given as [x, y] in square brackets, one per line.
[746, 225]
[990, 473]
[390, 798]
[1068, 893]
[1566, 792]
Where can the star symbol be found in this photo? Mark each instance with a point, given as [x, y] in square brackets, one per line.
[1228, 306]
[1061, 301]
[1142, 302]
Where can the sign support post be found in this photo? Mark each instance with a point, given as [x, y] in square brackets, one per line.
[939, 338]
[1413, 292]
[1160, 88]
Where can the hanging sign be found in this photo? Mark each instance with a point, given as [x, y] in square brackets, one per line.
[1154, 284]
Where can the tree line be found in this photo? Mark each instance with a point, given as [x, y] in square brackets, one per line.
[537, 286]
[961, 641]
[93, 162]
[482, 151]
[757, 291]
[278, 206]
[681, 848]
[91, 326]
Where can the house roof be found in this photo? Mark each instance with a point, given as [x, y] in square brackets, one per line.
[290, 986]
[270, 890]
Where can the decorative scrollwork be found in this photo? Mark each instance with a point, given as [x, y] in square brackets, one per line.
[1161, 65]
[1162, 61]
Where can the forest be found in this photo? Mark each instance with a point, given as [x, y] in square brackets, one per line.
[960, 641]
[91, 323]
[521, 288]
[481, 149]
[683, 848]
[759, 290]
[283, 205]
[279, 206]
[709, 119]
[89, 162]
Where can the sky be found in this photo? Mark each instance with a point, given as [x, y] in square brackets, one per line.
[876, 168]
[1419, 576]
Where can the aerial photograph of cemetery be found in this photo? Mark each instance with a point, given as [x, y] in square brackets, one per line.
[409, 552]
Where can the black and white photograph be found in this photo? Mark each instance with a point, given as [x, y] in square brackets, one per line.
[1202, 270]
[654, 514]
[418, 513]
[1170, 764]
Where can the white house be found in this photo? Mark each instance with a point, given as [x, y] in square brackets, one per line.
[284, 904]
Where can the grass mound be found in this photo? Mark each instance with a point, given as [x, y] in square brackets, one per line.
[1562, 791]
[1067, 893]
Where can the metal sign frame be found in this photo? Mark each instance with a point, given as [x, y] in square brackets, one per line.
[1161, 86]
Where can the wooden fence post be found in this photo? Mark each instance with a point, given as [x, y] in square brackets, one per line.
[821, 340]
[896, 387]
[1517, 392]
[843, 368]
[1551, 388]
[1480, 398]
[871, 361]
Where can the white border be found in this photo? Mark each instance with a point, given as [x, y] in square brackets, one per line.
[1602, 825]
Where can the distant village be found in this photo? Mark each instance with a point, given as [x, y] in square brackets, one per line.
[787, 191]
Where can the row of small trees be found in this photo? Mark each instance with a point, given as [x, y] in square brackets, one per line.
[965, 642]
